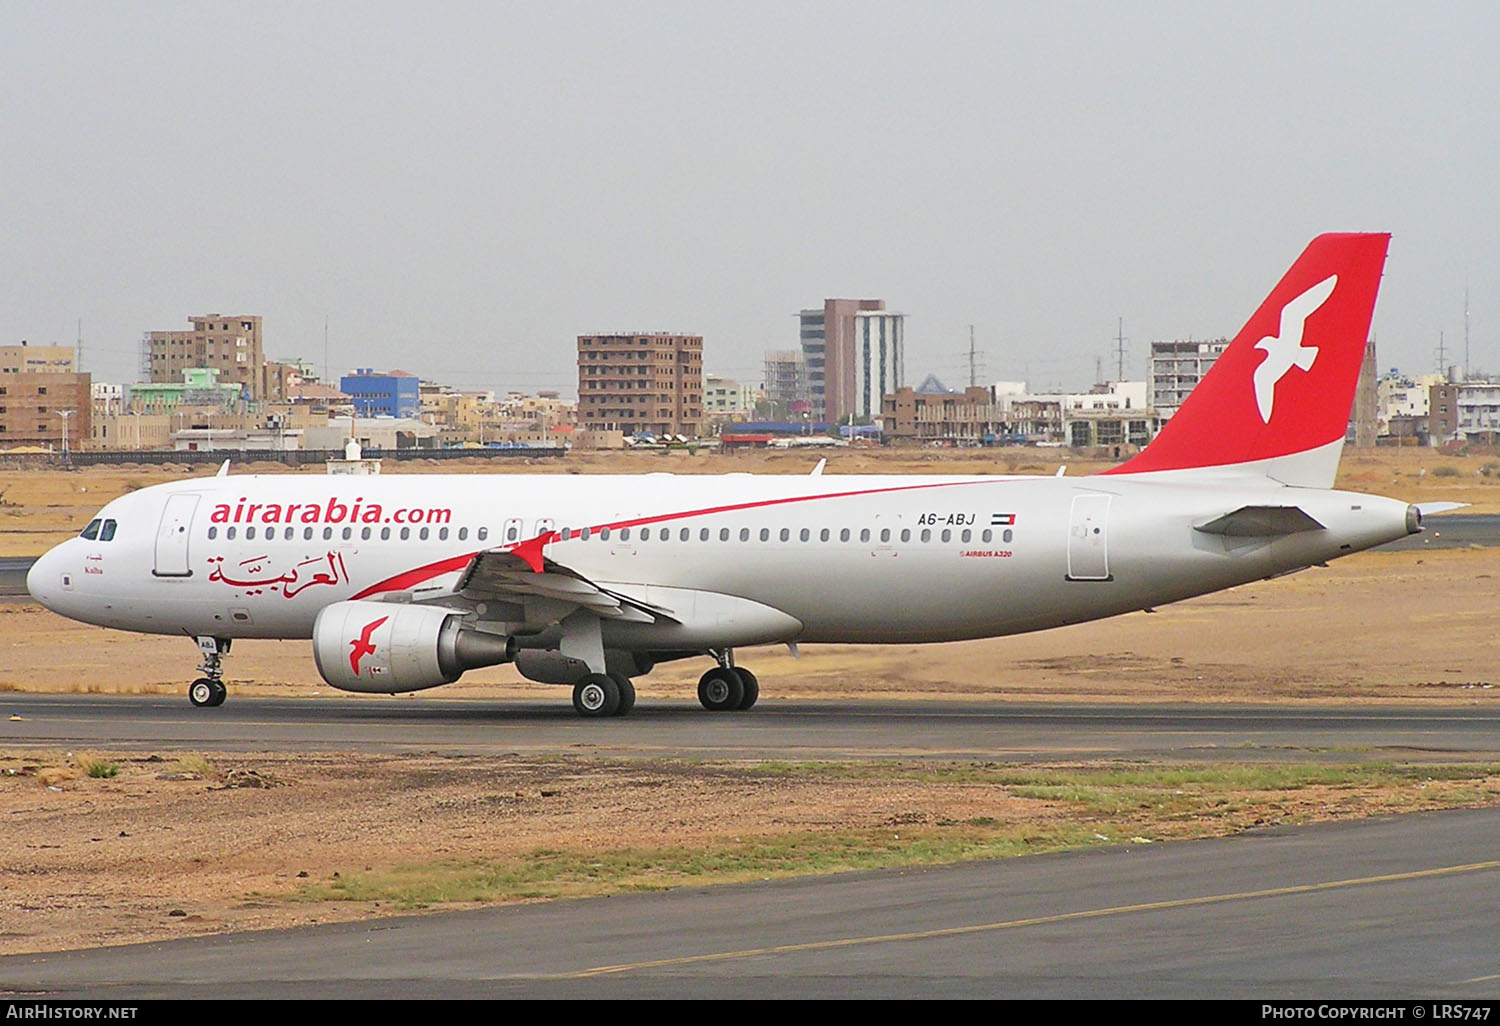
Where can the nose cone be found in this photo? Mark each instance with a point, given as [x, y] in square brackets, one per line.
[43, 580]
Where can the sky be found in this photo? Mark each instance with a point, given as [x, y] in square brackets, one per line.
[460, 189]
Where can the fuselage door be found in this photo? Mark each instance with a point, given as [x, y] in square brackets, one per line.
[1088, 538]
[172, 536]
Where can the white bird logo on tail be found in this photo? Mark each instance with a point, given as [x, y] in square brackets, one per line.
[1285, 351]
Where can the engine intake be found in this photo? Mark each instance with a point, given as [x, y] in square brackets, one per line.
[385, 648]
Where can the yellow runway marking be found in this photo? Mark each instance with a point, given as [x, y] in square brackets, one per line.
[1014, 924]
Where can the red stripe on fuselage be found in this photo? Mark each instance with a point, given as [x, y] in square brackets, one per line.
[411, 578]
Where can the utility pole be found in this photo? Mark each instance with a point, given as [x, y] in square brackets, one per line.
[1120, 349]
[1442, 358]
[973, 380]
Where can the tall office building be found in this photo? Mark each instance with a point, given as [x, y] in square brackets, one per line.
[828, 349]
[879, 359]
[232, 345]
[641, 383]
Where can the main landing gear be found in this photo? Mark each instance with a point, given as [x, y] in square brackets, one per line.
[727, 687]
[603, 694]
[209, 689]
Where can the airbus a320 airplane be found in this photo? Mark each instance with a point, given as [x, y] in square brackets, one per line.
[405, 582]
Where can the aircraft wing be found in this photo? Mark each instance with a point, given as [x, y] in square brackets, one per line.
[1260, 522]
[500, 575]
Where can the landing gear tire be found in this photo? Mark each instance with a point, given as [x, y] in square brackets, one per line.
[205, 692]
[721, 690]
[751, 686]
[627, 693]
[596, 695]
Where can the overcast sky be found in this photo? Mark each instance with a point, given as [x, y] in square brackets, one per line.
[462, 188]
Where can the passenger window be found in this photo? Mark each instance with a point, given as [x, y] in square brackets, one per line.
[966, 535]
[482, 533]
[684, 534]
[624, 534]
[885, 534]
[405, 533]
[349, 533]
[584, 534]
[364, 533]
[844, 535]
[229, 534]
[987, 535]
[328, 534]
[291, 531]
[906, 534]
[422, 534]
[250, 532]
[604, 534]
[786, 534]
[927, 534]
[463, 534]
[385, 534]
[823, 534]
[645, 534]
[703, 534]
[213, 532]
[864, 535]
[765, 534]
[947, 535]
[744, 534]
[91, 532]
[805, 535]
[1006, 536]
[442, 534]
[723, 534]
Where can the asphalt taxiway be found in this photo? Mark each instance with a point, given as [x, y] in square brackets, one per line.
[774, 729]
[1402, 907]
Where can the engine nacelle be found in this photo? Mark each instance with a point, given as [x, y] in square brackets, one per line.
[385, 647]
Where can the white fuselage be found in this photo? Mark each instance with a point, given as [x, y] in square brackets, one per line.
[831, 559]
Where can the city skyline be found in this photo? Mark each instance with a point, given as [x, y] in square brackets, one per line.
[497, 180]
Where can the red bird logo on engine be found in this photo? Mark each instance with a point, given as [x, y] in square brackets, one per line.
[362, 646]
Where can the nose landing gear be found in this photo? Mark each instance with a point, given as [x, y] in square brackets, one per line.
[209, 689]
[727, 687]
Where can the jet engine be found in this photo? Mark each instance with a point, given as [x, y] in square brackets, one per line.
[386, 648]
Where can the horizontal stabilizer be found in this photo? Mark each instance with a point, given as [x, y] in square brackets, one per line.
[1429, 509]
[1260, 522]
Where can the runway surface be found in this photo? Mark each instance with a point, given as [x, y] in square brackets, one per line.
[1396, 908]
[774, 729]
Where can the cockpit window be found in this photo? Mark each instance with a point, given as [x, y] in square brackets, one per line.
[107, 532]
[91, 532]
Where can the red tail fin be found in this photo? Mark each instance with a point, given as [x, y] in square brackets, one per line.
[1277, 401]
